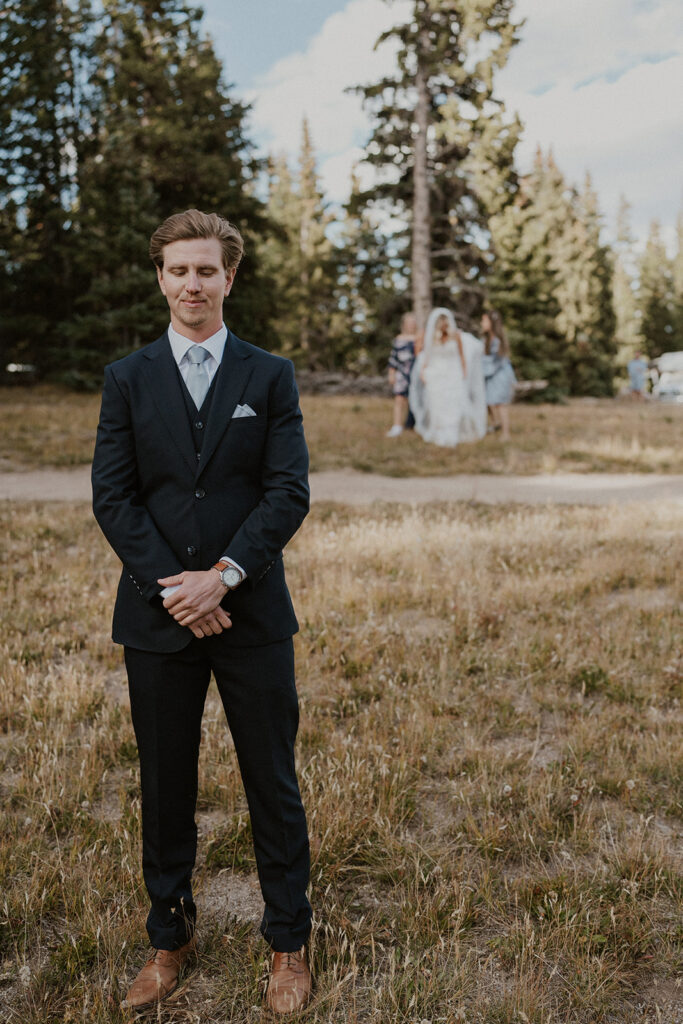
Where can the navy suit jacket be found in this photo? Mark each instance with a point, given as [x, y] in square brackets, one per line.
[164, 511]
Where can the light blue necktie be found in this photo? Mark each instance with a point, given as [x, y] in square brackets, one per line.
[197, 377]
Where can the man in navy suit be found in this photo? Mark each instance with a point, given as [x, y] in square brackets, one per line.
[200, 477]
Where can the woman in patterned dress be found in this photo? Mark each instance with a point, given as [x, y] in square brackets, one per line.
[400, 367]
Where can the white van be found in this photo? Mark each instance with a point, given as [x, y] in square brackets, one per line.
[669, 386]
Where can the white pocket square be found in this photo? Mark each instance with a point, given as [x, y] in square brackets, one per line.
[243, 410]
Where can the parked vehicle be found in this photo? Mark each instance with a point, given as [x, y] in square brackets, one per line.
[669, 385]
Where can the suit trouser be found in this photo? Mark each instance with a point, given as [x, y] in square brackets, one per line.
[167, 694]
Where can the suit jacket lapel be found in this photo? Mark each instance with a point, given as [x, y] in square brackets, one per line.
[235, 370]
[162, 376]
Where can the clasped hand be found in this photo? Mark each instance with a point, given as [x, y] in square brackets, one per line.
[196, 603]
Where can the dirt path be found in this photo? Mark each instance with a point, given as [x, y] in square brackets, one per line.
[354, 488]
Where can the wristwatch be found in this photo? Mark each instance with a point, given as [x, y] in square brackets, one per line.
[230, 576]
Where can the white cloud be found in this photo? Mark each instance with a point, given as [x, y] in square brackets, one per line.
[598, 80]
[313, 84]
[574, 42]
[335, 171]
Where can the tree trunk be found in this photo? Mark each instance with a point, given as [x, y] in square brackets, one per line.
[421, 242]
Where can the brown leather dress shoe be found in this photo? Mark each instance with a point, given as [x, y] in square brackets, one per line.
[158, 979]
[290, 985]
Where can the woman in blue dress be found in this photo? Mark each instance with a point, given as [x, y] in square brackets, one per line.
[499, 376]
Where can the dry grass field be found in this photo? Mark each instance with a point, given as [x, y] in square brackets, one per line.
[583, 436]
[491, 757]
[44, 426]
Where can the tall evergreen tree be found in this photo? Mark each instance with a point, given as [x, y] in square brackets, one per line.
[627, 321]
[370, 292]
[655, 295]
[281, 253]
[584, 296]
[43, 59]
[677, 283]
[522, 284]
[436, 122]
[109, 126]
[300, 259]
[167, 136]
[553, 279]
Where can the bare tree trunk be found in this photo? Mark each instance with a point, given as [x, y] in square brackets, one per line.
[421, 244]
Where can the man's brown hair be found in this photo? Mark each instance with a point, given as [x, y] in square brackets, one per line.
[195, 224]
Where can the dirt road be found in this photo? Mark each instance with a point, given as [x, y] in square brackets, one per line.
[354, 488]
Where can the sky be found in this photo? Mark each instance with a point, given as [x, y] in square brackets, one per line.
[599, 81]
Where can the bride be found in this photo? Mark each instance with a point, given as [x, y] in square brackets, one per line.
[447, 394]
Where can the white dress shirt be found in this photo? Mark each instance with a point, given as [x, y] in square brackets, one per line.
[180, 346]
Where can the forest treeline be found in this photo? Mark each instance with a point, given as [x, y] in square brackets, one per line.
[116, 113]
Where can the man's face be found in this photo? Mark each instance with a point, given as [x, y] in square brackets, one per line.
[195, 282]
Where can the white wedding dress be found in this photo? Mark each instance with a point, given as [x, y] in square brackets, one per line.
[448, 404]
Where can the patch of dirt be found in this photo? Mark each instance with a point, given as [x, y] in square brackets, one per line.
[210, 821]
[662, 1003]
[226, 895]
[644, 600]
[9, 777]
[355, 488]
[670, 830]
[425, 627]
[16, 975]
[109, 806]
[434, 812]
[539, 752]
[116, 685]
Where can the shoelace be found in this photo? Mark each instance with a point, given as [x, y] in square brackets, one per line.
[294, 962]
[155, 957]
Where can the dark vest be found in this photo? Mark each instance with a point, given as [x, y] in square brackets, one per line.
[198, 418]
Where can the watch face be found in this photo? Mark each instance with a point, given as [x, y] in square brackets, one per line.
[231, 576]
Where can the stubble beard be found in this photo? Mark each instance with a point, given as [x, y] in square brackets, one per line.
[191, 320]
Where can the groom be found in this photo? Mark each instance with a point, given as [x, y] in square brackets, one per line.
[199, 480]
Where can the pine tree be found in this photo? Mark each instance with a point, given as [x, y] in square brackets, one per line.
[584, 296]
[522, 283]
[166, 137]
[368, 293]
[627, 321]
[43, 58]
[281, 253]
[553, 279]
[301, 261]
[108, 126]
[437, 127]
[677, 282]
[655, 295]
[317, 265]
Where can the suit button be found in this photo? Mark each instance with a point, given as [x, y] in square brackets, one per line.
[192, 550]
[200, 493]
[199, 425]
